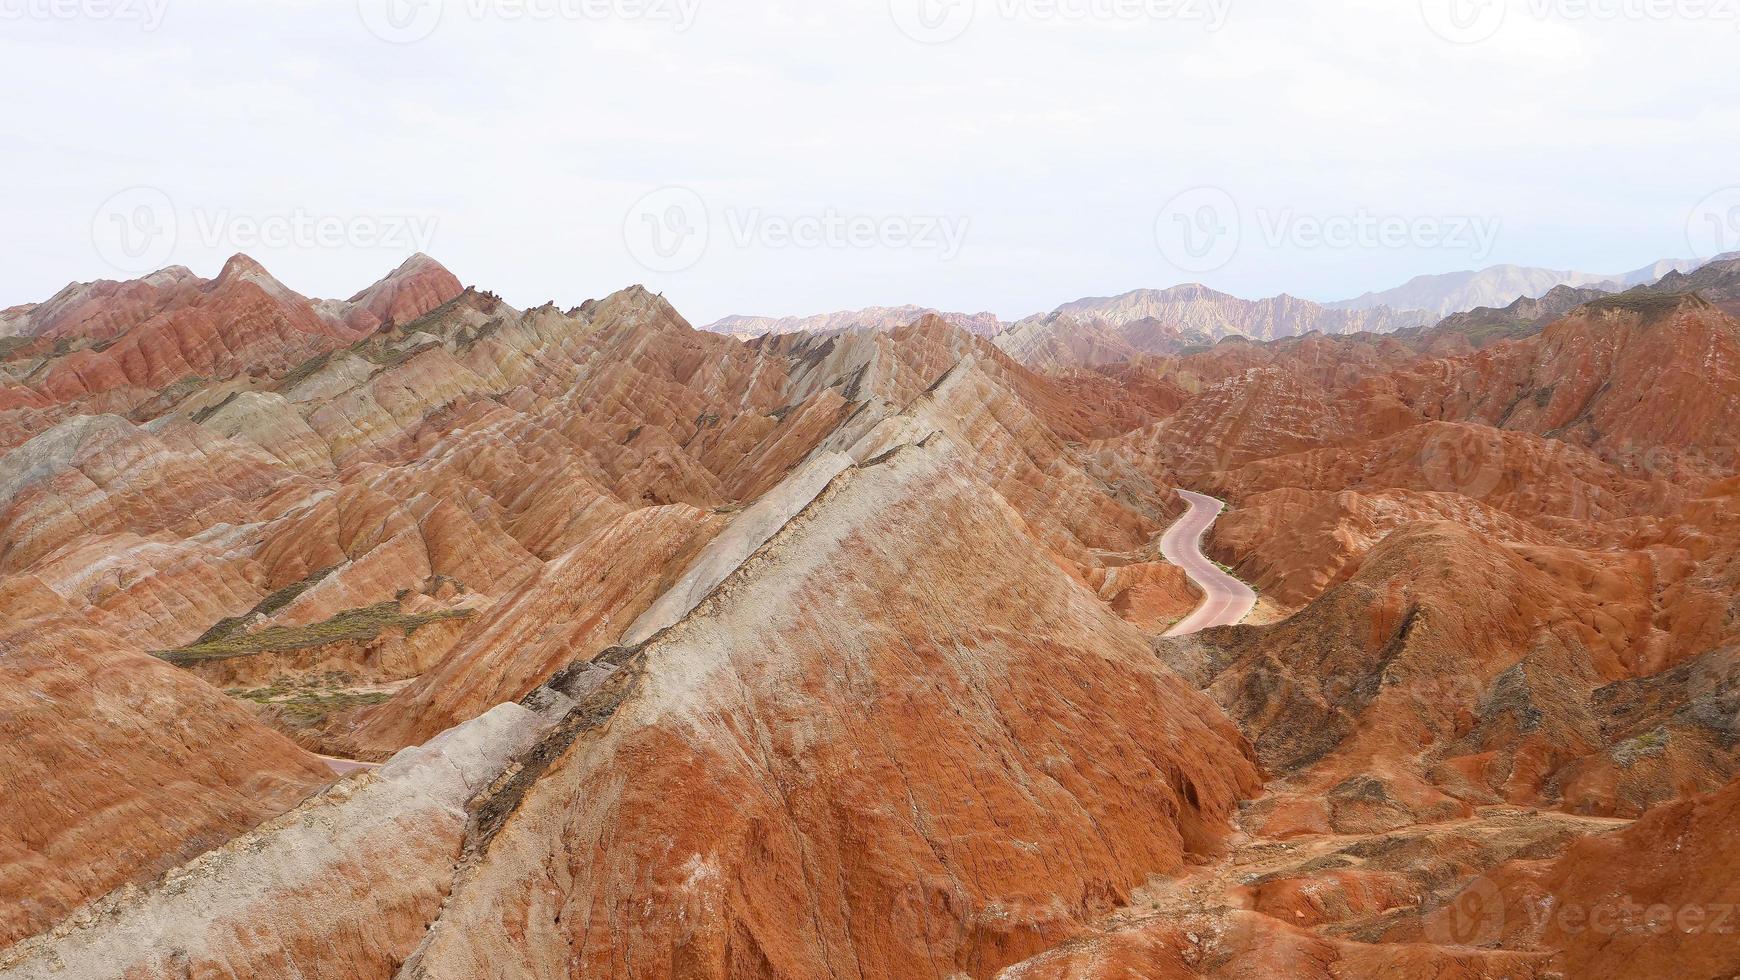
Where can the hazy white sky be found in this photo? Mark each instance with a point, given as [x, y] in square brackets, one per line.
[800, 156]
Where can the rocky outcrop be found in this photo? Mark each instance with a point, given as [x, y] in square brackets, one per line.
[834, 652]
[343, 886]
[1653, 899]
[116, 765]
[1018, 772]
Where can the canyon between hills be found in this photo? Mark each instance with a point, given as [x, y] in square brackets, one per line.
[414, 635]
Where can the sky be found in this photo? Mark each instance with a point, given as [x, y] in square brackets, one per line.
[803, 156]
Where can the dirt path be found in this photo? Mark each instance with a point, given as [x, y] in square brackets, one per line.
[1226, 600]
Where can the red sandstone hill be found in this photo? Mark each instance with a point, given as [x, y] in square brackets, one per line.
[836, 654]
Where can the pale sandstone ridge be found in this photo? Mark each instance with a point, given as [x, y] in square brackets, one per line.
[280, 901]
[1020, 772]
[116, 765]
[726, 553]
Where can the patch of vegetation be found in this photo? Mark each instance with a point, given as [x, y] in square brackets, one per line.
[358, 625]
[385, 360]
[469, 338]
[1645, 746]
[1647, 304]
[207, 412]
[307, 706]
[11, 345]
[302, 372]
[177, 390]
[1486, 334]
[266, 607]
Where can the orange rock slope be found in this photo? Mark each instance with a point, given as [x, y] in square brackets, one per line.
[838, 654]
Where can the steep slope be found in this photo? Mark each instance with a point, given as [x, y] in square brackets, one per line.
[119, 348]
[342, 886]
[116, 766]
[1599, 378]
[1718, 281]
[1485, 326]
[1655, 899]
[832, 653]
[801, 708]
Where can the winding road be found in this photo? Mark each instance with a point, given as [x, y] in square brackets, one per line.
[1226, 600]
[345, 767]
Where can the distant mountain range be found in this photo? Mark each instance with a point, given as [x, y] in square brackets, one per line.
[1717, 281]
[1167, 321]
[871, 318]
[1455, 292]
[1485, 306]
[1146, 318]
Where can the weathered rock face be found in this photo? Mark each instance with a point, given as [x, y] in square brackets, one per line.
[342, 886]
[1393, 699]
[1203, 310]
[1653, 900]
[575, 607]
[380, 538]
[1596, 379]
[904, 772]
[121, 346]
[116, 765]
[833, 653]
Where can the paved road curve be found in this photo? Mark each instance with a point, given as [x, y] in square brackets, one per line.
[1227, 600]
[345, 767]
